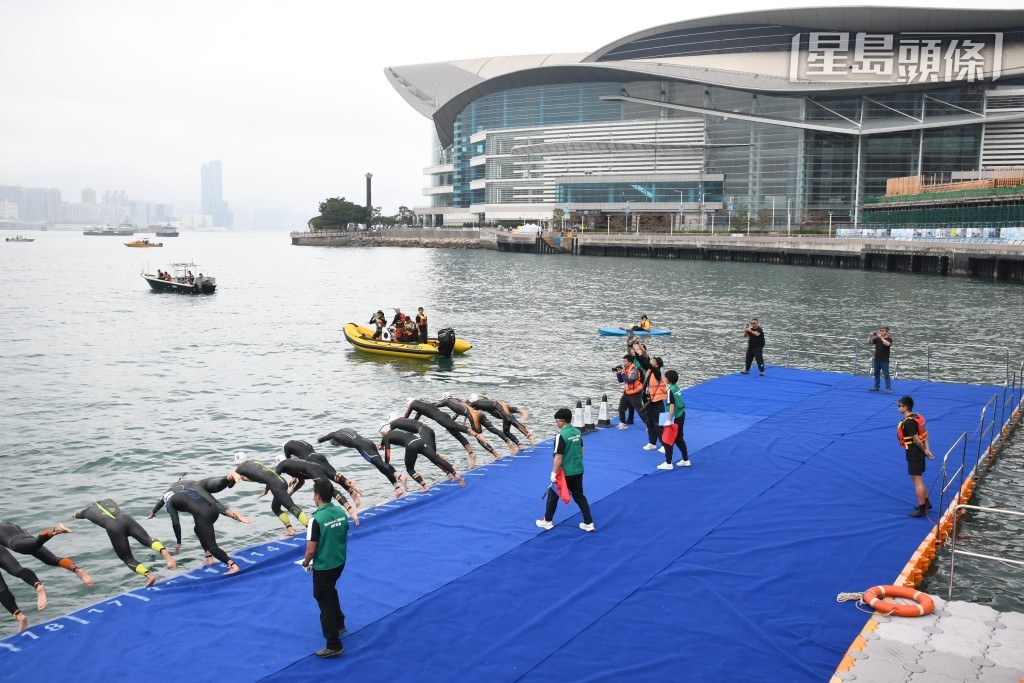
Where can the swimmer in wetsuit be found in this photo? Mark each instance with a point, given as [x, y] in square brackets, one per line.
[196, 498]
[298, 449]
[11, 566]
[508, 414]
[350, 438]
[414, 447]
[304, 451]
[477, 420]
[20, 541]
[119, 526]
[457, 430]
[254, 470]
[301, 470]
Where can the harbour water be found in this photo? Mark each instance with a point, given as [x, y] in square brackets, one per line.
[111, 390]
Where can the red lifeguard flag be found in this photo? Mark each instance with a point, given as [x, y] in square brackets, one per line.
[561, 488]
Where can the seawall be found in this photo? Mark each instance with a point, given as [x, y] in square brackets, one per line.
[997, 261]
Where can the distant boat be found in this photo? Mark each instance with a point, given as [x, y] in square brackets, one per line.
[19, 238]
[144, 242]
[126, 229]
[182, 280]
[167, 231]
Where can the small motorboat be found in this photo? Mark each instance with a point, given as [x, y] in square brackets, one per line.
[19, 238]
[444, 345]
[144, 242]
[182, 281]
[616, 332]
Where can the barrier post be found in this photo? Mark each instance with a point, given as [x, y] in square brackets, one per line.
[588, 418]
[602, 414]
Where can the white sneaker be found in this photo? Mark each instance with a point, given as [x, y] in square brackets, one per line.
[623, 425]
[661, 450]
[665, 466]
[587, 527]
[544, 524]
[683, 463]
[649, 447]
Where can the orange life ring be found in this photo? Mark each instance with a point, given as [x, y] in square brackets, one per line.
[873, 597]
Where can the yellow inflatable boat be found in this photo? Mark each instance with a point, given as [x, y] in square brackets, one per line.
[444, 345]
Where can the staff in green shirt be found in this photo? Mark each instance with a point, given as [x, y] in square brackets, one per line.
[326, 546]
[568, 460]
[675, 416]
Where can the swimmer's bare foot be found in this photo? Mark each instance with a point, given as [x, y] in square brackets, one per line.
[209, 559]
[61, 529]
[405, 482]
[355, 517]
[472, 459]
[232, 568]
[22, 621]
[289, 531]
[40, 597]
[86, 579]
[424, 488]
[533, 442]
[399, 492]
[512, 449]
[150, 579]
[171, 564]
[462, 482]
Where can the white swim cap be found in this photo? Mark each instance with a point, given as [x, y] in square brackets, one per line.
[409, 401]
[281, 457]
[385, 427]
[240, 457]
[446, 395]
[473, 397]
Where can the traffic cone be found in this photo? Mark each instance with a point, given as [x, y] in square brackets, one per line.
[577, 416]
[602, 415]
[588, 418]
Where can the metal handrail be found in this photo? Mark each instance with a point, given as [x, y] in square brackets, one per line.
[947, 480]
[981, 427]
[952, 546]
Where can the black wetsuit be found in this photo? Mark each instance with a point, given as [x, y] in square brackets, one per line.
[414, 447]
[303, 470]
[476, 418]
[503, 412]
[298, 449]
[407, 424]
[437, 415]
[350, 438]
[11, 566]
[253, 470]
[195, 497]
[119, 526]
[20, 541]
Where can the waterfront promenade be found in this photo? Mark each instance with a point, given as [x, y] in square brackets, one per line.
[992, 260]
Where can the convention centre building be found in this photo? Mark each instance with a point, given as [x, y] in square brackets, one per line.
[780, 117]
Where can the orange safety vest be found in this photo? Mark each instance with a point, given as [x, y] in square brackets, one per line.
[645, 325]
[922, 431]
[658, 391]
[634, 386]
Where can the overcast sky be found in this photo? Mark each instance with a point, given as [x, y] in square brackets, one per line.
[290, 96]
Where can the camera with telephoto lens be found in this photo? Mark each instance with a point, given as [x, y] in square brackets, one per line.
[617, 368]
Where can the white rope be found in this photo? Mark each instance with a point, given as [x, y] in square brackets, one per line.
[846, 597]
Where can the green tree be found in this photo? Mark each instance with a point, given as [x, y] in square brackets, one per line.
[337, 213]
[406, 216]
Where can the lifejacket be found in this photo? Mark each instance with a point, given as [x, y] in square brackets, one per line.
[634, 386]
[657, 391]
[645, 325]
[922, 431]
[421, 320]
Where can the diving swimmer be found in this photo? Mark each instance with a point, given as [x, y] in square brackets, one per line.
[20, 541]
[350, 438]
[11, 566]
[254, 470]
[508, 414]
[415, 446]
[457, 430]
[477, 419]
[301, 470]
[119, 526]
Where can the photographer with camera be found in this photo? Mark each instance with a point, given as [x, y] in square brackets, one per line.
[629, 377]
[880, 365]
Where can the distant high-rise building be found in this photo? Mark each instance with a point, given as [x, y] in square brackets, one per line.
[88, 196]
[213, 203]
[37, 200]
[16, 194]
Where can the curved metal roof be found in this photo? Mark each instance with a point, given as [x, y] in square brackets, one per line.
[441, 90]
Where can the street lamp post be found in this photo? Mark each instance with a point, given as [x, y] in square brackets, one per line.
[789, 217]
[748, 224]
[773, 213]
[830, 224]
[712, 225]
[680, 210]
[703, 219]
[369, 209]
[626, 209]
[565, 214]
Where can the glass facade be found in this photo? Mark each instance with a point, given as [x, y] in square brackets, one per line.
[708, 191]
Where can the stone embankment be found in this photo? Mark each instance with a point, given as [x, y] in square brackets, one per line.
[437, 238]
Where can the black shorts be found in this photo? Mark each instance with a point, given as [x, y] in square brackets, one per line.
[915, 465]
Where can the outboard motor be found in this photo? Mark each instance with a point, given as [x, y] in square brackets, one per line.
[445, 342]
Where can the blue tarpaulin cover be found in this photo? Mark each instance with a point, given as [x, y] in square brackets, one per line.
[725, 570]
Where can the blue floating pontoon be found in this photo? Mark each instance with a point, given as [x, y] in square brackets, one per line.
[725, 570]
[615, 332]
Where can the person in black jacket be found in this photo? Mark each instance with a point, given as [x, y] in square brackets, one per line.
[755, 346]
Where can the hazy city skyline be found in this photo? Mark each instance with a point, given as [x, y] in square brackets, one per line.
[291, 99]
